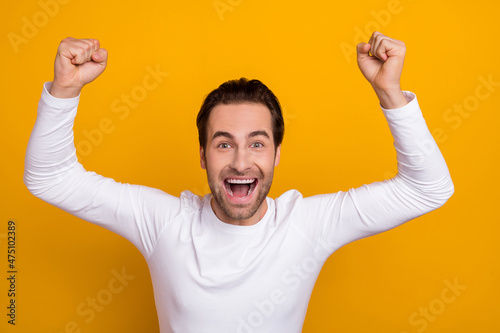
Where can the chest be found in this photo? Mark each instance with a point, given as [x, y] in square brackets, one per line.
[207, 276]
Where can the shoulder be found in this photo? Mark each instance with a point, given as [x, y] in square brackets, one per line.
[190, 201]
[287, 203]
[288, 197]
[294, 201]
[294, 197]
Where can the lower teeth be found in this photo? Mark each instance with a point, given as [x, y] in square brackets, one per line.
[228, 188]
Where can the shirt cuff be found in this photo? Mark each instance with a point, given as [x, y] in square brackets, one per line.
[405, 110]
[409, 97]
[59, 103]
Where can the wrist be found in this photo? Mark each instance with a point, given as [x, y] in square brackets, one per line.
[391, 98]
[63, 92]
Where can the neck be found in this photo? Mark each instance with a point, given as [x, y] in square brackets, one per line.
[254, 219]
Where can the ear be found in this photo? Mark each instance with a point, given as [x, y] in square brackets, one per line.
[202, 158]
[277, 157]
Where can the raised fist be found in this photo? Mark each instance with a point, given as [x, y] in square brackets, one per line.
[384, 66]
[78, 62]
[381, 63]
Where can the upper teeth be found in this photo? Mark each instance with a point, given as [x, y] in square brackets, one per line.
[241, 181]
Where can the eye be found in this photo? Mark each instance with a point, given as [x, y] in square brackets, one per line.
[257, 145]
[224, 145]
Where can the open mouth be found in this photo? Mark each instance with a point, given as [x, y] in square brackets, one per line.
[240, 188]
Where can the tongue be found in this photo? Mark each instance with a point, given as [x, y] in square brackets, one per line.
[240, 190]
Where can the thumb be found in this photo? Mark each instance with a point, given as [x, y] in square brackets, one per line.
[363, 51]
[100, 56]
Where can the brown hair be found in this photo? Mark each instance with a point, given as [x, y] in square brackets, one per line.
[239, 91]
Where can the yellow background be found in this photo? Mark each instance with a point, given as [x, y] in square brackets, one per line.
[336, 138]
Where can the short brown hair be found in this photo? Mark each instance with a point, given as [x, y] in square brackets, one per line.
[239, 91]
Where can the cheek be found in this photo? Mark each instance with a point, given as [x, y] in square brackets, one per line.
[267, 163]
[214, 163]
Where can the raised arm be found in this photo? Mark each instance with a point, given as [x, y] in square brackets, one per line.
[423, 182]
[53, 173]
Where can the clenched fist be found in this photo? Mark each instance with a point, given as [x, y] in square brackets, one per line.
[383, 67]
[78, 62]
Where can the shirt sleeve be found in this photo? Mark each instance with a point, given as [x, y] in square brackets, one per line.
[422, 184]
[52, 173]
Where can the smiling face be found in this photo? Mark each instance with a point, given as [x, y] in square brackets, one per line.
[239, 157]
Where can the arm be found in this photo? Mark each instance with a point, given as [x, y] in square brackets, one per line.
[53, 173]
[423, 182]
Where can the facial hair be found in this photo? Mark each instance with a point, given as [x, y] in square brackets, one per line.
[240, 212]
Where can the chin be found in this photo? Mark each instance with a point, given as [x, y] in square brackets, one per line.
[245, 204]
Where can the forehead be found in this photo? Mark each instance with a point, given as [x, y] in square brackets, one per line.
[241, 118]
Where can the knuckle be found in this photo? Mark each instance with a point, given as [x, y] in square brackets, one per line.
[81, 49]
[65, 41]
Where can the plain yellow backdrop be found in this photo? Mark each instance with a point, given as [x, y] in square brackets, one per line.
[336, 138]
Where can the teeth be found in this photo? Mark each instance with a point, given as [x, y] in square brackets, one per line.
[240, 181]
[250, 190]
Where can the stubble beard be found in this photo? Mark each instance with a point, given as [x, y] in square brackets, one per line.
[240, 212]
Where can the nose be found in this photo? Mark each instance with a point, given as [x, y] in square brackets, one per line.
[241, 161]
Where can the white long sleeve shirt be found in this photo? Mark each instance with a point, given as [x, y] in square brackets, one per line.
[211, 276]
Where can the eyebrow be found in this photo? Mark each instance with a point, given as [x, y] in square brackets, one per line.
[257, 133]
[231, 137]
[223, 134]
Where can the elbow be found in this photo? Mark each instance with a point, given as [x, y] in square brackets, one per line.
[441, 194]
[31, 178]
[31, 184]
[451, 189]
[447, 193]
[430, 195]
[26, 181]
[36, 185]
[42, 189]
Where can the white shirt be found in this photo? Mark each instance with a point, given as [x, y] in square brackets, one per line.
[211, 276]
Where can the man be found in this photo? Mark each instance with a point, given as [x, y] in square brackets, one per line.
[236, 260]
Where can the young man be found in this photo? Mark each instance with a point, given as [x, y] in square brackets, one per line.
[236, 260]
